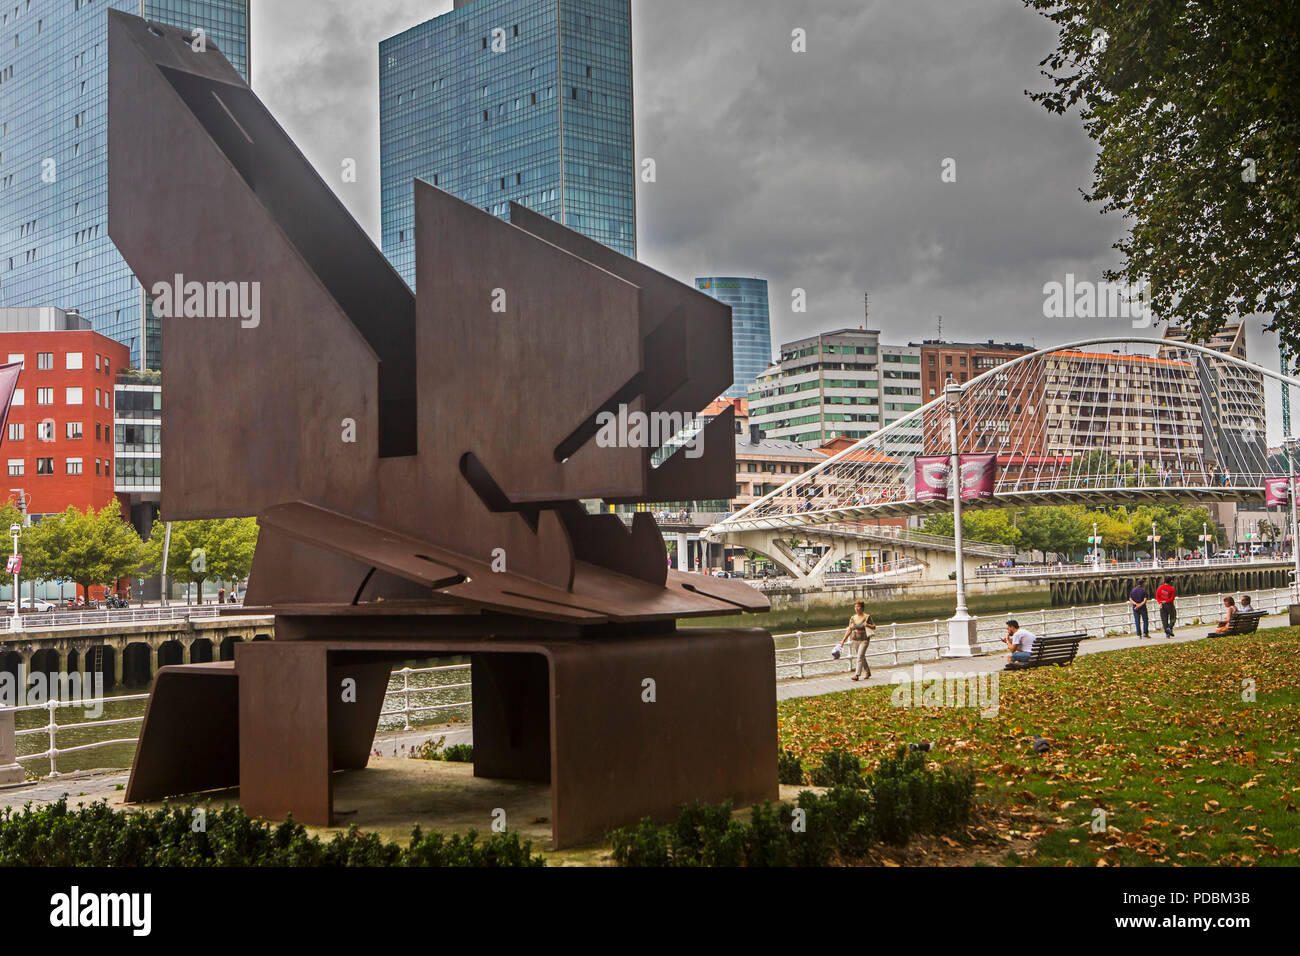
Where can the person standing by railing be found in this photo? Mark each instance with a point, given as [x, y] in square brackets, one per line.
[1137, 599]
[1165, 595]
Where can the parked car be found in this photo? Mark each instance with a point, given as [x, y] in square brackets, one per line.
[31, 607]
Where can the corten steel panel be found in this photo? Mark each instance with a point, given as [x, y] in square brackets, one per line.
[598, 595]
[710, 476]
[603, 540]
[353, 723]
[257, 413]
[511, 716]
[189, 741]
[288, 571]
[284, 754]
[709, 735]
[706, 350]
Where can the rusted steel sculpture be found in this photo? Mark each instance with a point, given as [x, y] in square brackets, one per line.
[417, 464]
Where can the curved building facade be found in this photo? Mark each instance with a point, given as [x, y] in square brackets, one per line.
[751, 326]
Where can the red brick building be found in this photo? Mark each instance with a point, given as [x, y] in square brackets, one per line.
[58, 444]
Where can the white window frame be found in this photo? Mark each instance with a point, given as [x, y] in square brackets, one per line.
[73, 361]
[73, 396]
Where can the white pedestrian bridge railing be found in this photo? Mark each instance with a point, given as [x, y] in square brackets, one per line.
[1116, 567]
[424, 692]
[53, 620]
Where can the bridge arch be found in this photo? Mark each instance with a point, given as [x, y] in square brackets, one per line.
[1115, 419]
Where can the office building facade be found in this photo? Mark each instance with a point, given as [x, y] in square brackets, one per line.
[751, 327]
[512, 100]
[54, 244]
[838, 384]
[58, 443]
[1232, 399]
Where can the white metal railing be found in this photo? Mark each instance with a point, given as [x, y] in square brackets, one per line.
[1166, 564]
[52, 727]
[891, 646]
[406, 690]
[52, 620]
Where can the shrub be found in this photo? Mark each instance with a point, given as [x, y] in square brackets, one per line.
[838, 769]
[99, 836]
[789, 769]
[459, 753]
[904, 798]
[438, 749]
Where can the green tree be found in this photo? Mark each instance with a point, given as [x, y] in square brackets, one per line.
[1052, 531]
[86, 547]
[989, 525]
[1195, 109]
[217, 548]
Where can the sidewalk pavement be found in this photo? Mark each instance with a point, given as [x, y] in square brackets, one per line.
[882, 675]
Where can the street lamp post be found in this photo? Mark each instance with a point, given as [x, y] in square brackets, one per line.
[1155, 542]
[1095, 541]
[17, 623]
[1293, 445]
[963, 641]
[1205, 543]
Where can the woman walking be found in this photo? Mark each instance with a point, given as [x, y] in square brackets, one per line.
[860, 629]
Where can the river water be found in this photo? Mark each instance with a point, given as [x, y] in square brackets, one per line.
[428, 689]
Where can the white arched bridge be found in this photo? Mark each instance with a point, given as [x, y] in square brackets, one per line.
[1121, 420]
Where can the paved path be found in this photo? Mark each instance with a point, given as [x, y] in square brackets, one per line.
[816, 686]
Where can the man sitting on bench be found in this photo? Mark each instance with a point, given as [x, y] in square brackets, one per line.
[1020, 642]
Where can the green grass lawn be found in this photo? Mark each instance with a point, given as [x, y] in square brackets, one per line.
[1160, 738]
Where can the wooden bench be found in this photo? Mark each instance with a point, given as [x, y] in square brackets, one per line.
[1058, 650]
[1246, 622]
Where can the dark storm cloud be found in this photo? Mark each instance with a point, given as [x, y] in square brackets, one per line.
[818, 170]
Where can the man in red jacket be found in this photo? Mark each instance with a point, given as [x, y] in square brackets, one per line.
[1165, 595]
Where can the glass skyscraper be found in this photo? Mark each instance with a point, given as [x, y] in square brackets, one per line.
[751, 326]
[54, 245]
[500, 100]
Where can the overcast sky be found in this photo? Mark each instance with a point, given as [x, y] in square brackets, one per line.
[819, 170]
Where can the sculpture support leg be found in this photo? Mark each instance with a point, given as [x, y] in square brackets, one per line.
[644, 725]
[285, 696]
[189, 741]
[512, 721]
[354, 718]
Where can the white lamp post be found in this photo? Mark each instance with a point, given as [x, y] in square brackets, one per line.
[1205, 543]
[1293, 446]
[963, 641]
[17, 623]
[1155, 541]
[1095, 541]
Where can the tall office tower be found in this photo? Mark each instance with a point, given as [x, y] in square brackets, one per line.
[501, 100]
[751, 326]
[54, 244]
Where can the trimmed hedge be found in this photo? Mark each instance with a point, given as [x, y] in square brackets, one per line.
[97, 835]
[902, 799]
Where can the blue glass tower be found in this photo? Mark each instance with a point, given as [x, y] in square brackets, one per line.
[54, 244]
[500, 100]
[751, 326]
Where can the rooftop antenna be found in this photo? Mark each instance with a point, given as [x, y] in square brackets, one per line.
[940, 325]
[867, 310]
